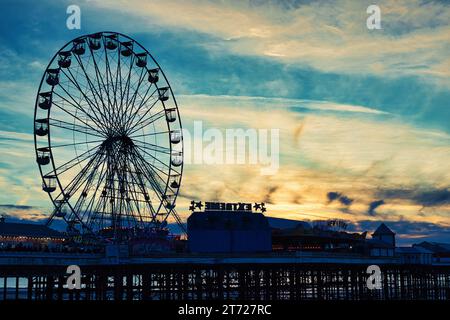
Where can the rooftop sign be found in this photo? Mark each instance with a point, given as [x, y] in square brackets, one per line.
[226, 206]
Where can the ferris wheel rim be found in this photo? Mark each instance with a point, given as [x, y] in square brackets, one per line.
[49, 140]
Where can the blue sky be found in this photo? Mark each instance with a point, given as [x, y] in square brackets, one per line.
[363, 113]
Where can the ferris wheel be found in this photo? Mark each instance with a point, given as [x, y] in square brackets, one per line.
[108, 137]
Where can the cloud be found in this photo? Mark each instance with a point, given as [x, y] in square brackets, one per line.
[279, 103]
[332, 196]
[40, 66]
[414, 39]
[268, 197]
[345, 200]
[15, 136]
[373, 205]
[12, 206]
[344, 134]
[26, 212]
[357, 153]
[421, 195]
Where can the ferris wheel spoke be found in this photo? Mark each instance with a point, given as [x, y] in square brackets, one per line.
[177, 220]
[102, 176]
[100, 209]
[118, 80]
[69, 165]
[152, 180]
[155, 117]
[150, 169]
[90, 85]
[127, 87]
[98, 75]
[120, 191]
[100, 81]
[72, 127]
[82, 198]
[80, 108]
[95, 218]
[115, 169]
[143, 99]
[134, 113]
[130, 102]
[112, 112]
[109, 80]
[141, 123]
[84, 89]
[76, 143]
[132, 193]
[135, 88]
[92, 90]
[157, 189]
[143, 190]
[156, 159]
[113, 79]
[82, 121]
[92, 105]
[150, 134]
[80, 209]
[79, 179]
[154, 147]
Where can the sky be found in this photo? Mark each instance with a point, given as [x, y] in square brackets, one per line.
[363, 115]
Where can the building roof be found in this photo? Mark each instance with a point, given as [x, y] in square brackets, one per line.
[435, 247]
[281, 223]
[28, 230]
[383, 230]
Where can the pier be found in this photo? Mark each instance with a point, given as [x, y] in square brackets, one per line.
[303, 276]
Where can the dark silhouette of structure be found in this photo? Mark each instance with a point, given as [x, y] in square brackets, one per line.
[228, 232]
[20, 236]
[232, 279]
